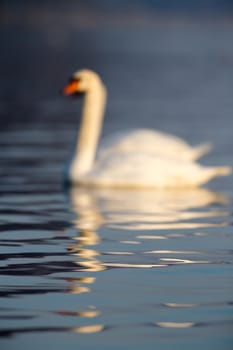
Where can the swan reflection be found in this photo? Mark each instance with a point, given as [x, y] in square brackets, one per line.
[148, 211]
[143, 210]
[140, 210]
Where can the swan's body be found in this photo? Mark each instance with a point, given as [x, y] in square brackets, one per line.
[151, 142]
[147, 170]
[139, 158]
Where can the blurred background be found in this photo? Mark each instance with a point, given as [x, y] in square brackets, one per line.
[166, 64]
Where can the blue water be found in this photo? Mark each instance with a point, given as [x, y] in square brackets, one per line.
[111, 269]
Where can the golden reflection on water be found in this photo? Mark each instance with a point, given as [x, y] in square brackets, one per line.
[143, 210]
[175, 324]
[89, 329]
[87, 314]
[134, 210]
[148, 211]
[176, 305]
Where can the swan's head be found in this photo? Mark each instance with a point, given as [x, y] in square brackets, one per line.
[82, 81]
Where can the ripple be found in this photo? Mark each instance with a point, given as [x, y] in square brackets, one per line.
[173, 252]
[86, 314]
[24, 235]
[175, 324]
[184, 261]
[91, 260]
[135, 266]
[89, 329]
[176, 305]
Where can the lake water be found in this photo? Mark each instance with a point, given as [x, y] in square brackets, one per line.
[108, 269]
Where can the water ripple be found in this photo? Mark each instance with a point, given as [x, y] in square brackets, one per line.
[90, 261]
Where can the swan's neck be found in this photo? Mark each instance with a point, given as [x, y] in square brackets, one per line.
[89, 132]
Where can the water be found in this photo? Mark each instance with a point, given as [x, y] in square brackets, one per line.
[118, 269]
[108, 268]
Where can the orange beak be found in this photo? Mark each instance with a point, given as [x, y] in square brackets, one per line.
[71, 88]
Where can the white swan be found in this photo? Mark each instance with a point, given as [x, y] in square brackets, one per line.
[139, 158]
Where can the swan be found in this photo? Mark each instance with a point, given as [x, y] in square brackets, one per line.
[139, 158]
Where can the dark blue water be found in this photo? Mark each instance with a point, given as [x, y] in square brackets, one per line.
[117, 269]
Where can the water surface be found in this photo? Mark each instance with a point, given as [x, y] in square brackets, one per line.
[104, 267]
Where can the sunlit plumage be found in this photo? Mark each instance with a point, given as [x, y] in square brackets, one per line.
[139, 158]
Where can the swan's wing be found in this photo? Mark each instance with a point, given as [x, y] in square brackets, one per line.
[150, 141]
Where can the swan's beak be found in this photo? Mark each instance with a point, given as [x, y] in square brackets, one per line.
[71, 88]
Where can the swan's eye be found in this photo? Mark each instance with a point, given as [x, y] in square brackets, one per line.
[72, 87]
